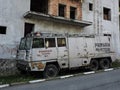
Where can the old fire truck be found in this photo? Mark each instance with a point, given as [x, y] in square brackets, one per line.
[52, 52]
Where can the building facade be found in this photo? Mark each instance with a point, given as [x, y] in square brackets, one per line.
[18, 18]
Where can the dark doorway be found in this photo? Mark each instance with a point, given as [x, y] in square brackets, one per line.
[28, 28]
[39, 6]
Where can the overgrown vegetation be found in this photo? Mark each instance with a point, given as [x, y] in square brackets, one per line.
[116, 64]
[27, 77]
[17, 79]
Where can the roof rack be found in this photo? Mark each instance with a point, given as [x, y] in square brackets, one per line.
[50, 34]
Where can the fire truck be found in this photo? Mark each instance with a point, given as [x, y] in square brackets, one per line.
[52, 52]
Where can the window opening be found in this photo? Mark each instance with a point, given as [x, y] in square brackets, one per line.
[61, 42]
[72, 12]
[90, 6]
[38, 43]
[106, 14]
[50, 42]
[61, 10]
[39, 6]
[3, 29]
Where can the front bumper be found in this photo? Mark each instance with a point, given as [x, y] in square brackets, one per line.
[30, 66]
[23, 65]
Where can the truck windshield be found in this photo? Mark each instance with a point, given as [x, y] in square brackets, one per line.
[25, 44]
[38, 43]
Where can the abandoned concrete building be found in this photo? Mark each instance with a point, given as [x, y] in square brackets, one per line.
[20, 17]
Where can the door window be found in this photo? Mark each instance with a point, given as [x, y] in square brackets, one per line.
[61, 42]
[50, 42]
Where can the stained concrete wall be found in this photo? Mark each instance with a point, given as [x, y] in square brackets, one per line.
[12, 11]
[100, 25]
[11, 15]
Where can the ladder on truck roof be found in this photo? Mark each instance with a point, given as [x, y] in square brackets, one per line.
[49, 34]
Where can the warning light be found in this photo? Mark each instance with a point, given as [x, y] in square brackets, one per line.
[38, 34]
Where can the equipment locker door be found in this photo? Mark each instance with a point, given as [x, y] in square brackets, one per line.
[90, 42]
[62, 52]
[77, 51]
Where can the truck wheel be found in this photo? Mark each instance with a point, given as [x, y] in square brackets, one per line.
[104, 64]
[94, 65]
[50, 71]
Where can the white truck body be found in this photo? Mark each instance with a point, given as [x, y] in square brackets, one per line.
[66, 50]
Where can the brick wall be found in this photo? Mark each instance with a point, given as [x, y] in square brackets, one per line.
[53, 7]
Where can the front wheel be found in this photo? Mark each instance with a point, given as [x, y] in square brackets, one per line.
[50, 71]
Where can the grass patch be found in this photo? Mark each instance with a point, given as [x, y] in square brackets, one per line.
[116, 64]
[16, 79]
[27, 77]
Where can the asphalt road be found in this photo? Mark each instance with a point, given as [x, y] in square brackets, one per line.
[99, 81]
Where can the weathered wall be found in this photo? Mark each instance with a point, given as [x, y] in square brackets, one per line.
[12, 11]
[11, 16]
[100, 25]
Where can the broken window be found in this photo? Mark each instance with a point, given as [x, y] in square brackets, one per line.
[39, 6]
[50, 42]
[28, 28]
[106, 14]
[90, 6]
[62, 10]
[3, 29]
[61, 42]
[72, 12]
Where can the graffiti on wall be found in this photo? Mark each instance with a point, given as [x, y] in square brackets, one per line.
[8, 51]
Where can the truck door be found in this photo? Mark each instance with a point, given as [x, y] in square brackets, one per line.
[40, 52]
[62, 52]
[50, 49]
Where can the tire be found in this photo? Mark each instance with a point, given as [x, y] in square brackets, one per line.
[94, 65]
[50, 71]
[23, 72]
[104, 64]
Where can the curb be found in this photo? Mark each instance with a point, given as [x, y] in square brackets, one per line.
[37, 81]
[4, 85]
[60, 77]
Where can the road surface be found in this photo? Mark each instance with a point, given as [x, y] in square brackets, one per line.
[99, 81]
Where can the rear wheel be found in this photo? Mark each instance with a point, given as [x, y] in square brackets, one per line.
[104, 64]
[94, 65]
[50, 71]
